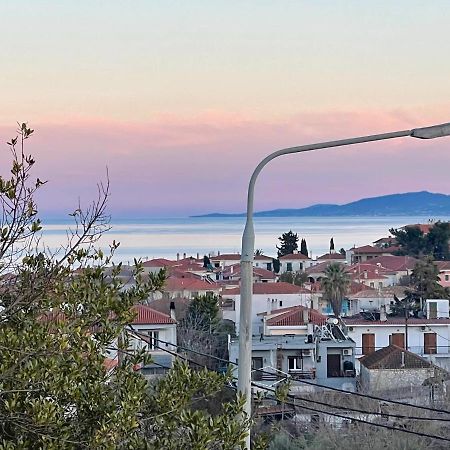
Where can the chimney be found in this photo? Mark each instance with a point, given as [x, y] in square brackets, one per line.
[403, 359]
[172, 310]
[231, 269]
[295, 252]
[178, 256]
[184, 255]
[305, 316]
[365, 274]
[198, 255]
[218, 253]
[383, 317]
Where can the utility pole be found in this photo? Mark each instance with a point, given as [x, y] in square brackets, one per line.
[406, 323]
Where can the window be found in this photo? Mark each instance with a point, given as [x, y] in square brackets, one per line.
[281, 303]
[380, 285]
[372, 285]
[152, 341]
[447, 277]
[295, 363]
[368, 343]
[289, 267]
[429, 343]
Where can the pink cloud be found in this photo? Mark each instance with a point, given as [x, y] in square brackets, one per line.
[181, 165]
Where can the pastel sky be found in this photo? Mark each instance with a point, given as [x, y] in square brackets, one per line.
[181, 99]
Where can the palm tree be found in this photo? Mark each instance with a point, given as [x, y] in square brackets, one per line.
[335, 284]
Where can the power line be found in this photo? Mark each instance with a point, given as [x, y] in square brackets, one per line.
[358, 394]
[392, 415]
[356, 419]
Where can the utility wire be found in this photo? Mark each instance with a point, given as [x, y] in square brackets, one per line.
[358, 394]
[377, 413]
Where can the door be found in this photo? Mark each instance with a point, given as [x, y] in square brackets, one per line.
[333, 366]
[257, 363]
[368, 343]
[433, 310]
[397, 339]
[429, 341]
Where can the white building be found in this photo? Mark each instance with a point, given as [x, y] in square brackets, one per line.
[295, 262]
[266, 297]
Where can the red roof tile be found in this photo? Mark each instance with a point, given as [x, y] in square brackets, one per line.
[393, 357]
[332, 256]
[146, 315]
[294, 256]
[226, 257]
[188, 284]
[158, 262]
[367, 249]
[270, 288]
[294, 317]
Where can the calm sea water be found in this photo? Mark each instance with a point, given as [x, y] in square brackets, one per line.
[154, 238]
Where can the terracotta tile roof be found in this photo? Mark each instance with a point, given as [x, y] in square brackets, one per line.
[263, 258]
[188, 284]
[331, 256]
[395, 263]
[158, 262]
[391, 358]
[423, 227]
[367, 249]
[442, 265]
[235, 269]
[294, 317]
[318, 268]
[386, 240]
[294, 256]
[146, 315]
[270, 289]
[387, 292]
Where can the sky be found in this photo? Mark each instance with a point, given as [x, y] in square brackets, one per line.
[178, 101]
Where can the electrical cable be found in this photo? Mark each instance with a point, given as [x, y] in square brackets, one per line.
[358, 394]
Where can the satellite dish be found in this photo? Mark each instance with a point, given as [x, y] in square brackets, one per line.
[332, 321]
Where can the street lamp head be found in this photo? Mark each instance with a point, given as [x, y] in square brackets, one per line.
[431, 132]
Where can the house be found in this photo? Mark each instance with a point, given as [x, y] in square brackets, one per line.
[332, 257]
[295, 262]
[145, 332]
[394, 367]
[444, 272]
[233, 273]
[427, 337]
[365, 253]
[324, 356]
[155, 265]
[370, 275]
[317, 272]
[221, 261]
[374, 299]
[266, 297]
[186, 287]
[385, 242]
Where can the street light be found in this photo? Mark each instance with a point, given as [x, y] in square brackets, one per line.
[248, 243]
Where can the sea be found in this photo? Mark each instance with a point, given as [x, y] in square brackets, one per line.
[165, 238]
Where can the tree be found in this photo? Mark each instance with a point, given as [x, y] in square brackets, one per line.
[335, 284]
[259, 252]
[411, 241]
[303, 247]
[298, 278]
[61, 316]
[206, 262]
[331, 245]
[425, 277]
[276, 265]
[342, 251]
[437, 241]
[288, 243]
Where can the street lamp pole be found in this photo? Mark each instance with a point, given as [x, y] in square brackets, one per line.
[248, 243]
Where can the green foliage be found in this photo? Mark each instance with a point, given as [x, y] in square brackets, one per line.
[203, 313]
[297, 278]
[435, 243]
[276, 265]
[335, 284]
[331, 245]
[173, 422]
[288, 243]
[303, 247]
[61, 316]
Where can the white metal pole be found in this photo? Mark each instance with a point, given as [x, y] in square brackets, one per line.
[248, 245]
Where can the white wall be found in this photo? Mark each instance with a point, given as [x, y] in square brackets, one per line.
[265, 303]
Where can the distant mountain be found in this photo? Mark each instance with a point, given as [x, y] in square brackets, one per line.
[409, 204]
